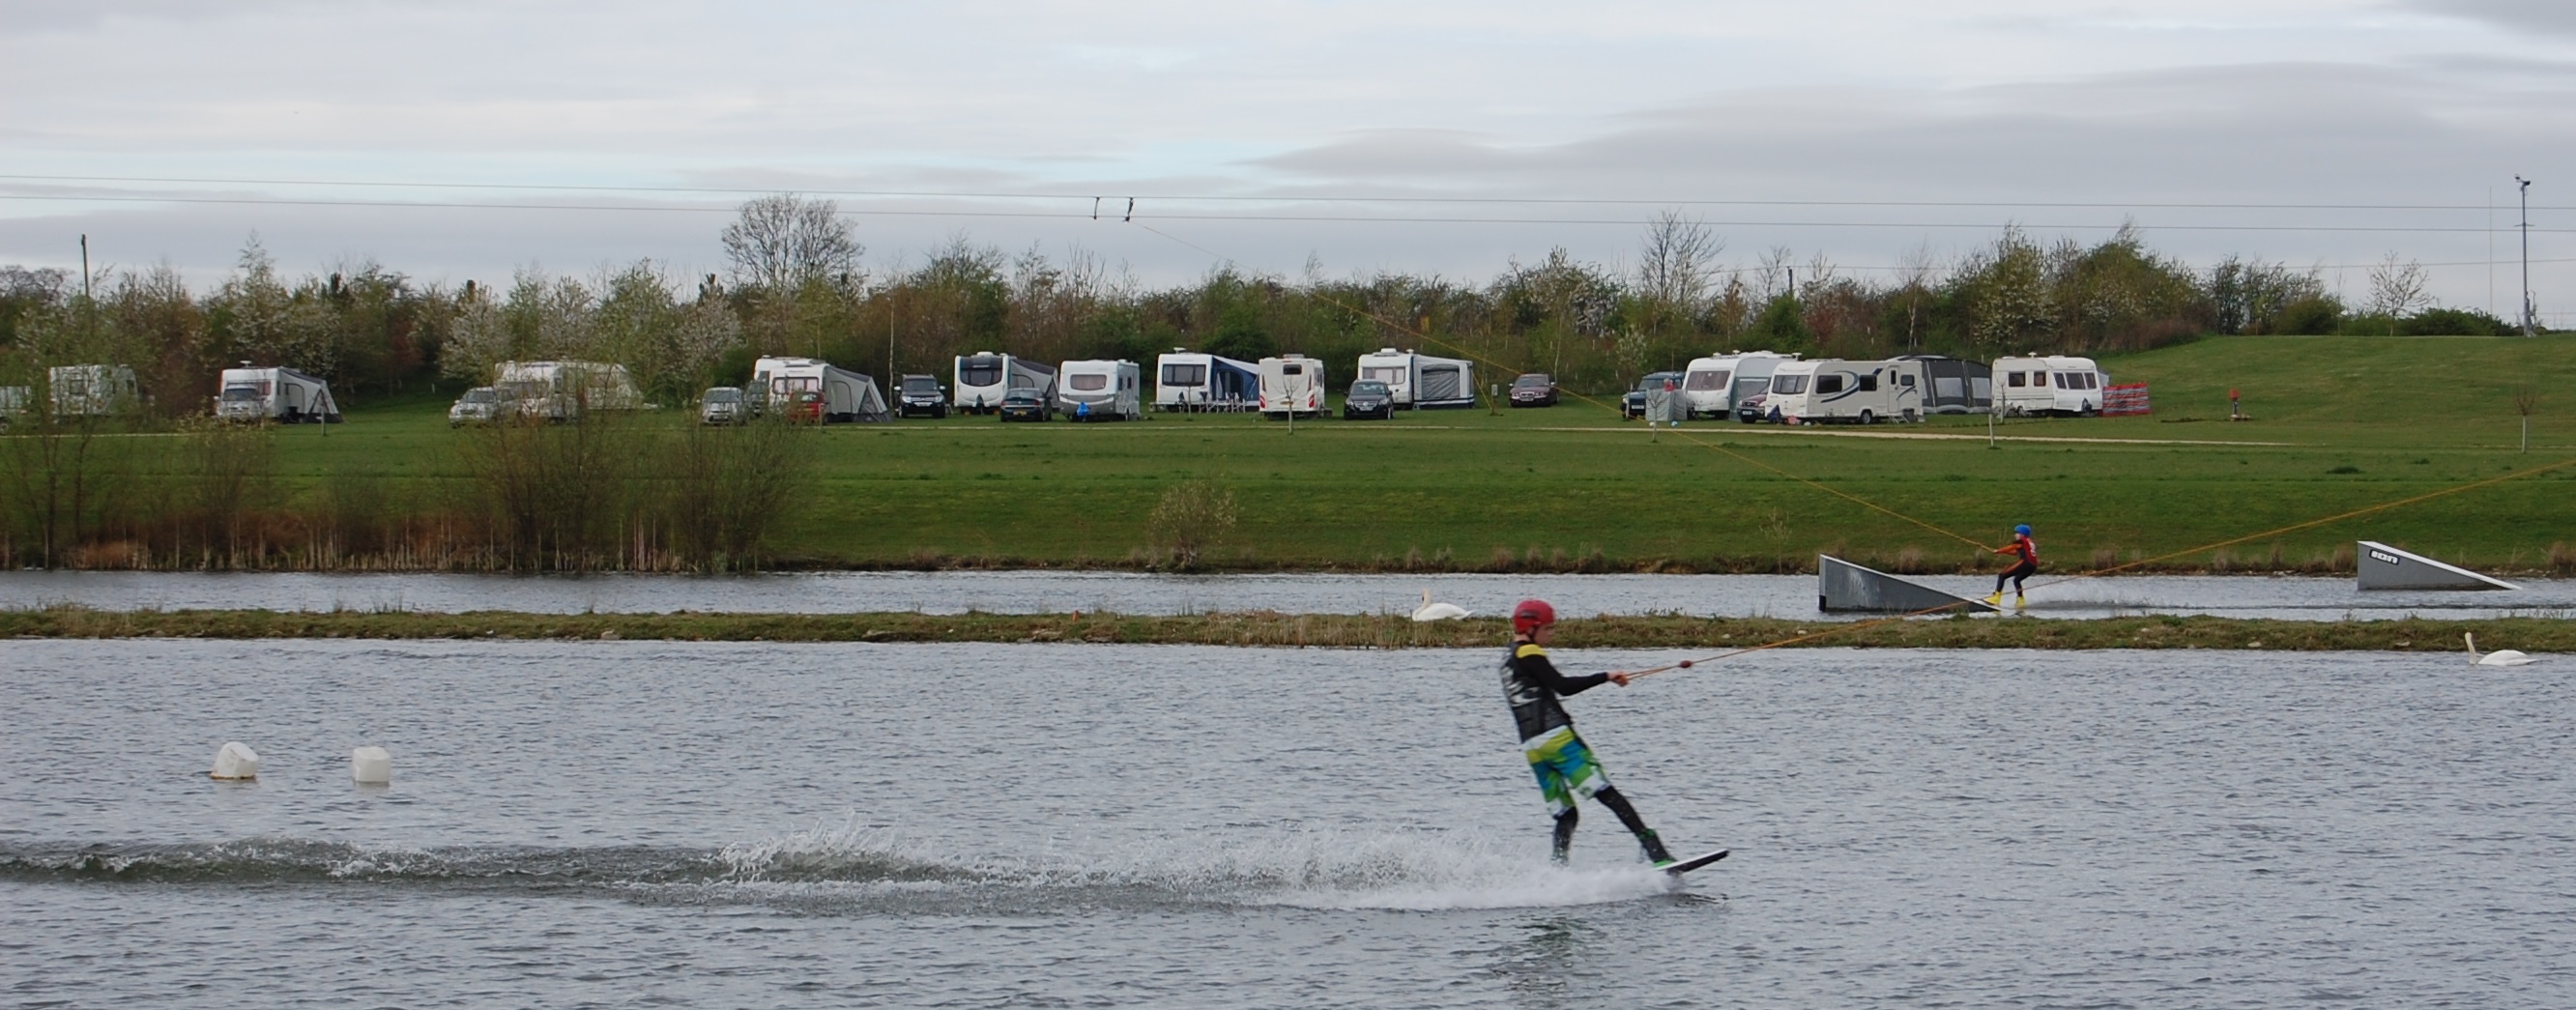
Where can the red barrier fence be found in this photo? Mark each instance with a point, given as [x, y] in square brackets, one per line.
[2126, 399]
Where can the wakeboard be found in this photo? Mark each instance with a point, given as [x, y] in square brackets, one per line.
[1687, 865]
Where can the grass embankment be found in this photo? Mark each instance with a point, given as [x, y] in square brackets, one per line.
[2365, 421]
[1686, 635]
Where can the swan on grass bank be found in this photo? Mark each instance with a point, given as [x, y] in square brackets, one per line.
[1430, 611]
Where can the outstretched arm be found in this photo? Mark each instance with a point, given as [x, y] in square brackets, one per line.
[1545, 673]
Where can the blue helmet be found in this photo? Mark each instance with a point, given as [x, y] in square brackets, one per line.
[2023, 529]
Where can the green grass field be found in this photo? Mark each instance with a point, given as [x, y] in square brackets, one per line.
[2357, 422]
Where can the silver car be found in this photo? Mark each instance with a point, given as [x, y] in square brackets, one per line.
[479, 405]
[723, 405]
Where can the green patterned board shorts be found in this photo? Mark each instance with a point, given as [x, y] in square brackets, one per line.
[1564, 768]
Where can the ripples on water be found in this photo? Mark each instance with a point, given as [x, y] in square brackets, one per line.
[723, 825]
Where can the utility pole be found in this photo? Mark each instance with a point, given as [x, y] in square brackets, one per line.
[2528, 329]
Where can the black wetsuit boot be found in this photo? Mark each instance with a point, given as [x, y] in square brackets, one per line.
[1646, 837]
[1564, 835]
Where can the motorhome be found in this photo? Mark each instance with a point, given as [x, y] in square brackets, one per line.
[91, 390]
[984, 377]
[1831, 389]
[807, 389]
[1100, 390]
[1188, 380]
[283, 395]
[1958, 387]
[2049, 385]
[1292, 386]
[1712, 386]
[562, 390]
[1420, 381]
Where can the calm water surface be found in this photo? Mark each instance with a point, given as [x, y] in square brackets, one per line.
[1026, 592]
[581, 824]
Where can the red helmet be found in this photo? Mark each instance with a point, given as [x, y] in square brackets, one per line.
[1531, 615]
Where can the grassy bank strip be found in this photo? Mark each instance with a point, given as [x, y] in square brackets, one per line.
[1690, 635]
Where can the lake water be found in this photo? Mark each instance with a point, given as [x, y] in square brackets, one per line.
[749, 824]
[1021, 592]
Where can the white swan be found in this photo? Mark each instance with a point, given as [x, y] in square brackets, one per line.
[2500, 657]
[1430, 611]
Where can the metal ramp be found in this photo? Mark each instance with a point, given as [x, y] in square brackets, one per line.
[2383, 567]
[1845, 587]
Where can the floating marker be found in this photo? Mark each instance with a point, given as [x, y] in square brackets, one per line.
[235, 762]
[2383, 567]
[371, 766]
[1843, 586]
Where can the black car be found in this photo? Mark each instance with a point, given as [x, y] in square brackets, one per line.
[1368, 398]
[1026, 405]
[922, 397]
[1535, 389]
[1633, 405]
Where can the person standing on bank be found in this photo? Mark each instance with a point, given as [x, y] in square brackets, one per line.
[2027, 551]
[1562, 764]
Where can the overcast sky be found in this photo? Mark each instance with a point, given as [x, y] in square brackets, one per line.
[1855, 129]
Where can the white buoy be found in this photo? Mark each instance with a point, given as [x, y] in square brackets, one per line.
[235, 762]
[371, 766]
[1430, 611]
[2500, 657]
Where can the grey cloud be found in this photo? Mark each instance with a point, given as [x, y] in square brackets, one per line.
[52, 15]
[2556, 16]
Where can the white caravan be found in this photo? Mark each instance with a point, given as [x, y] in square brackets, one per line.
[283, 395]
[1712, 386]
[1100, 390]
[807, 389]
[1292, 386]
[1420, 381]
[1831, 389]
[1188, 380]
[91, 390]
[2054, 384]
[561, 390]
[984, 378]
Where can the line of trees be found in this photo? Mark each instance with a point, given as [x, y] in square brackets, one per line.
[797, 284]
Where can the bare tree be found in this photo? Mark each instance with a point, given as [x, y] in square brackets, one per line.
[1675, 263]
[2526, 401]
[2397, 289]
[784, 241]
[1914, 285]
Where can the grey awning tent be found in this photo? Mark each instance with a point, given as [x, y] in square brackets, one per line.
[2383, 567]
[1843, 586]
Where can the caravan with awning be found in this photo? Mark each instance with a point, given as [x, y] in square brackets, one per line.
[806, 389]
[1714, 385]
[1421, 381]
[984, 378]
[1188, 380]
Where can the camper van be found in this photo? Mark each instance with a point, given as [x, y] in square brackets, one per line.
[984, 377]
[1831, 389]
[1420, 381]
[806, 389]
[1100, 390]
[1958, 387]
[283, 395]
[1292, 386]
[561, 390]
[2051, 385]
[1187, 380]
[1713, 385]
[92, 390]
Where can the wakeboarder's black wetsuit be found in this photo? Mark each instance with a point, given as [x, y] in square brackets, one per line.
[1558, 757]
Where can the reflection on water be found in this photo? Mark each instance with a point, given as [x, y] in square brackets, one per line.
[1022, 592]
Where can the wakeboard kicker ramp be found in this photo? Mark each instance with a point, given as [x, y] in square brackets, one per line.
[1843, 586]
[2383, 567]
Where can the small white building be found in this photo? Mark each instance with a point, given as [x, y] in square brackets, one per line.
[2050, 385]
[1100, 390]
[283, 395]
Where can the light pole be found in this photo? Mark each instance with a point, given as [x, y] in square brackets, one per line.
[2527, 321]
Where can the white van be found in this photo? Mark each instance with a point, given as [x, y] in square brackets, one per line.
[283, 395]
[1714, 385]
[1188, 380]
[2053, 385]
[1420, 381]
[1292, 386]
[1100, 390]
[1831, 389]
[808, 389]
[984, 378]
